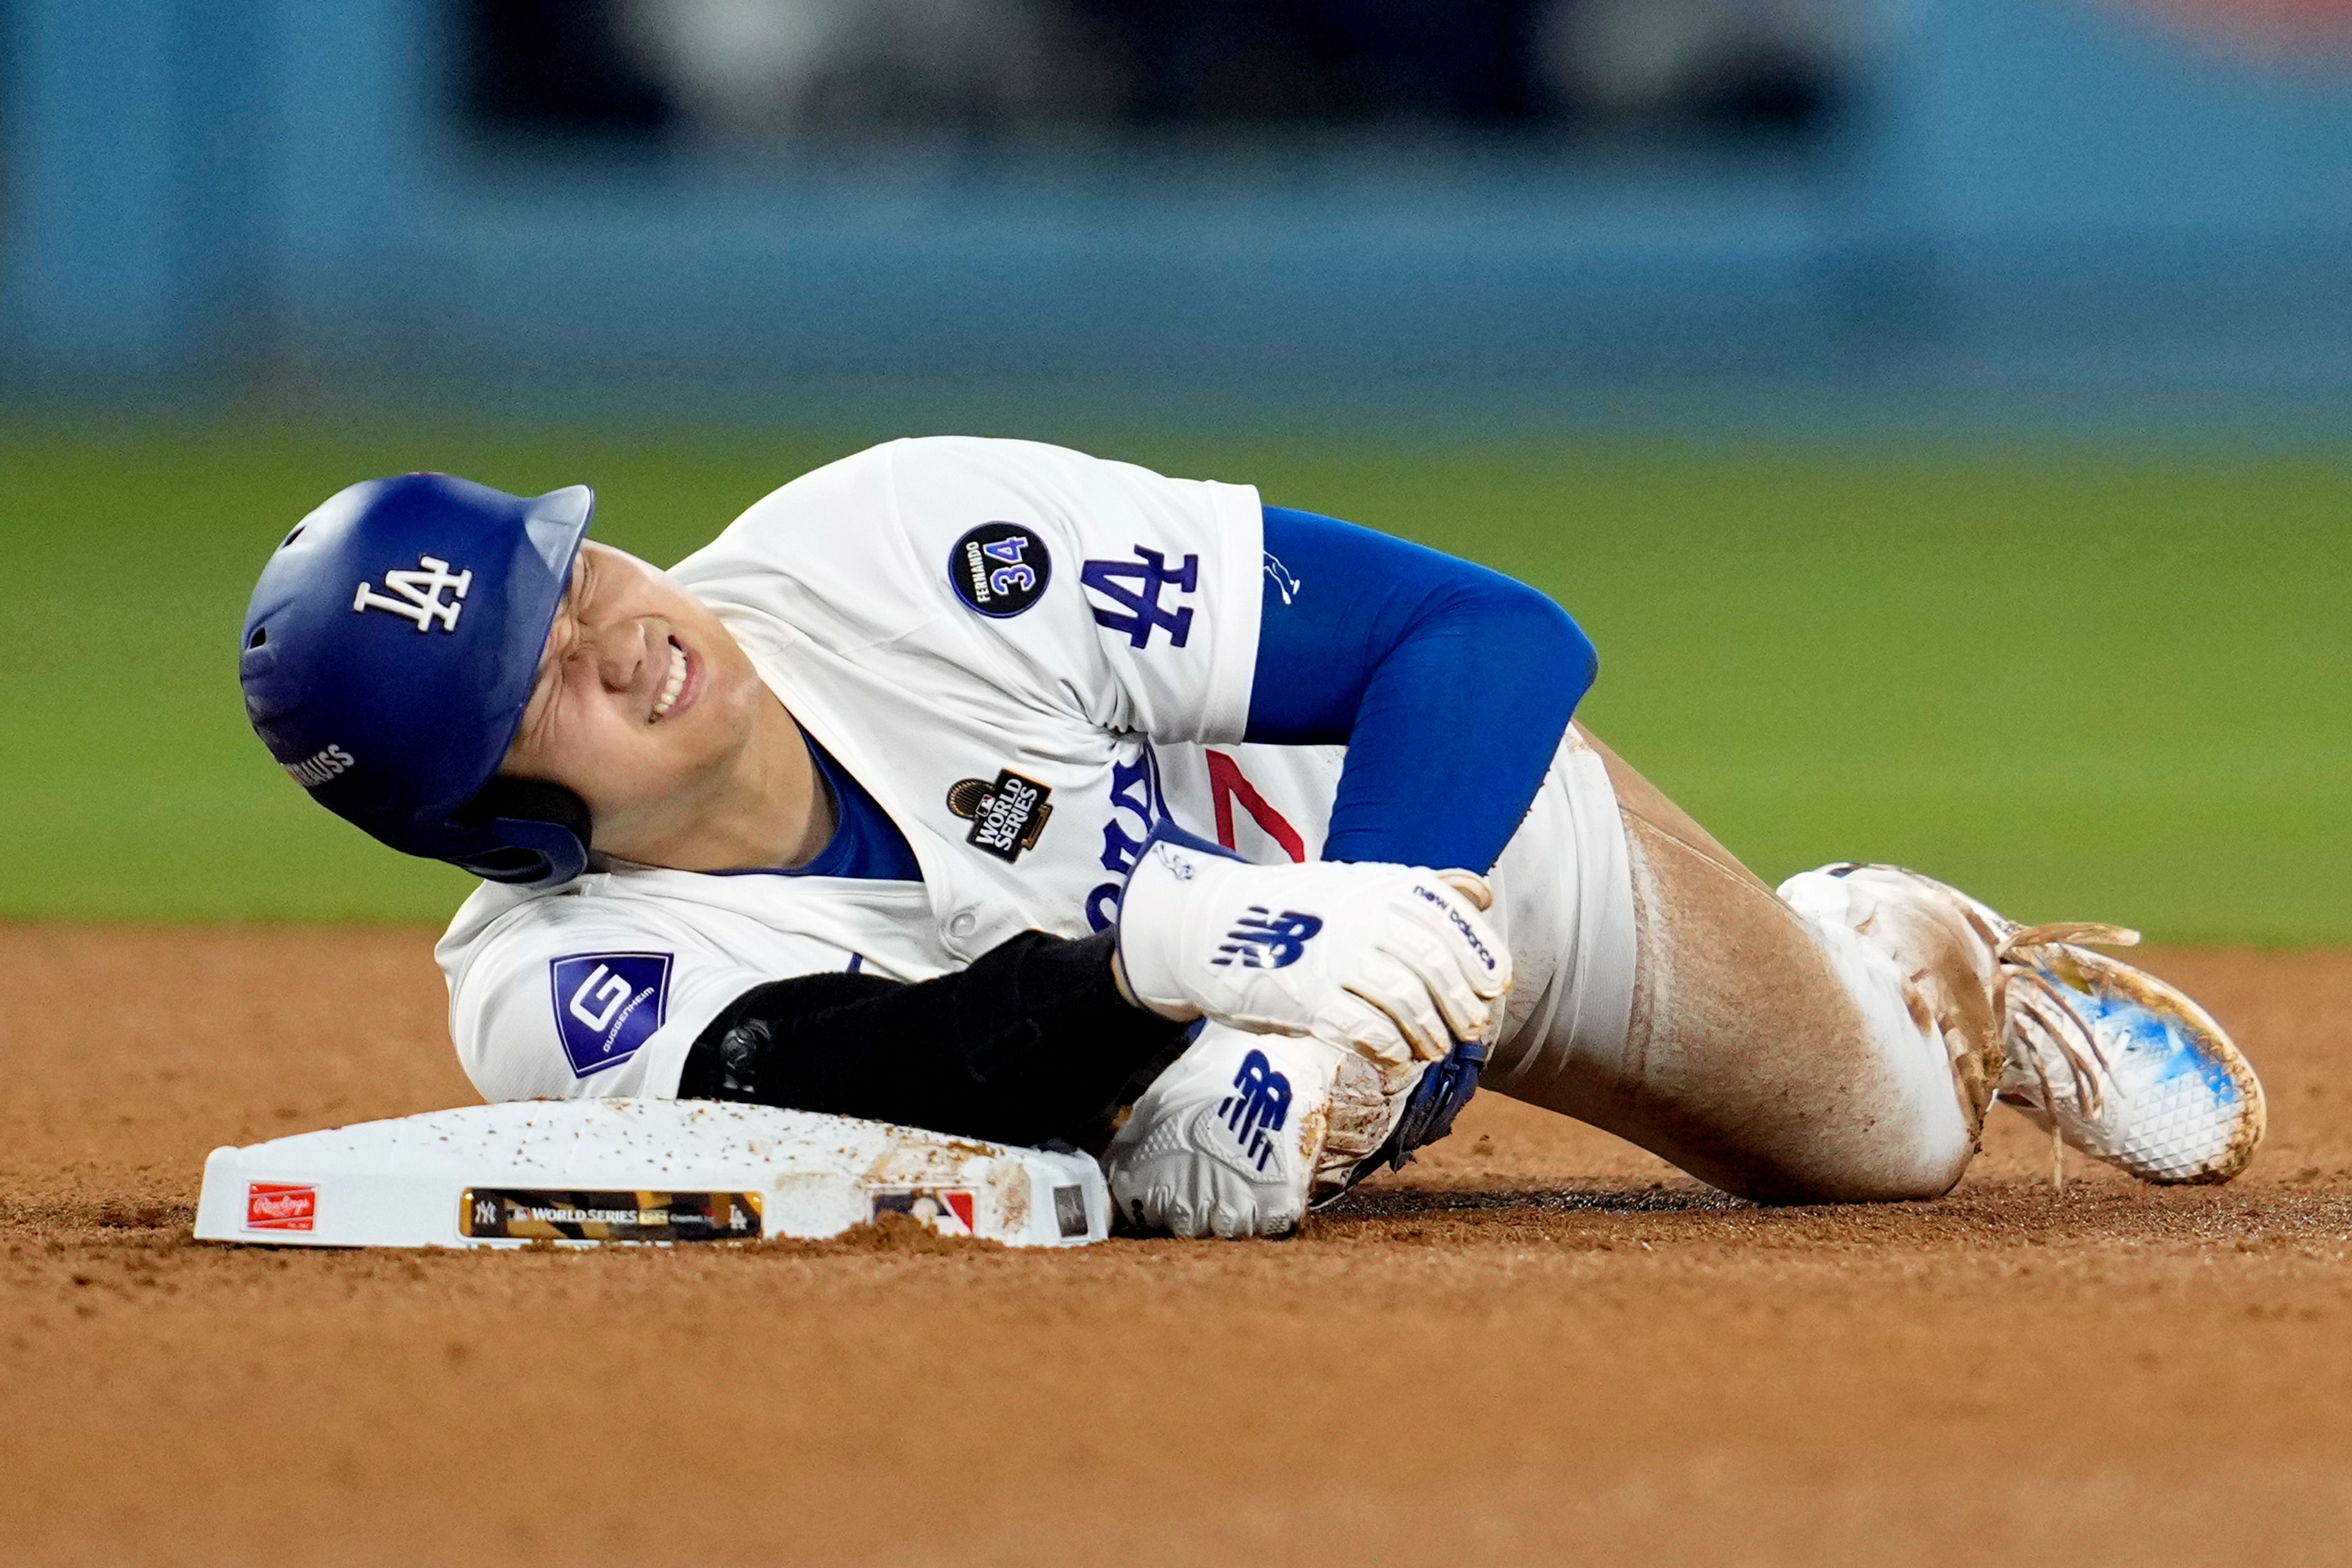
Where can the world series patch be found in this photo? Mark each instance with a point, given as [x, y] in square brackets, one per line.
[999, 568]
[1006, 816]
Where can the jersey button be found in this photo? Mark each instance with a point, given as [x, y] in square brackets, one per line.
[964, 923]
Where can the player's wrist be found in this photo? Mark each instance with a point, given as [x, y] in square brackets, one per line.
[1156, 910]
[1119, 981]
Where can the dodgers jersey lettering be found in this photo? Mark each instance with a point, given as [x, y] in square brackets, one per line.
[1025, 730]
[1024, 721]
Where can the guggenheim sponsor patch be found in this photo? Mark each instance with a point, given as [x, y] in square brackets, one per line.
[607, 1005]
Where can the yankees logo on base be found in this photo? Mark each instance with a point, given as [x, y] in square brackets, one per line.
[864, 808]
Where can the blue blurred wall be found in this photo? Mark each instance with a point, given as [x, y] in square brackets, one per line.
[2041, 203]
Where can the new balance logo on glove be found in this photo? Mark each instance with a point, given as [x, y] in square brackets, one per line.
[1204, 933]
[1258, 1108]
[1263, 941]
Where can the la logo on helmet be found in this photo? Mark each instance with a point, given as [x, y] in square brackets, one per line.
[420, 594]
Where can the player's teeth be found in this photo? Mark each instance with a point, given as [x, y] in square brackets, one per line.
[675, 684]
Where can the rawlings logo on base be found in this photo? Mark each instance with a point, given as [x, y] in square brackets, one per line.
[280, 1205]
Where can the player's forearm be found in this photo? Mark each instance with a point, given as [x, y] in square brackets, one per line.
[1032, 1041]
[1448, 683]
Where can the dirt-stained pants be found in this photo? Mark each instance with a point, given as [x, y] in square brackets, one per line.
[1765, 1055]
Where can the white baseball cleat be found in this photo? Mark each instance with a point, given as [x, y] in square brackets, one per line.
[2121, 1065]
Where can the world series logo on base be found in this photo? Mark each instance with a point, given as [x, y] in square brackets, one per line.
[532, 1214]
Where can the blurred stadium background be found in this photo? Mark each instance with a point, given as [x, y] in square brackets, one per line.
[1938, 409]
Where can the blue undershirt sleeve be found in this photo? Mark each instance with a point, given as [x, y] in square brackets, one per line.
[1450, 686]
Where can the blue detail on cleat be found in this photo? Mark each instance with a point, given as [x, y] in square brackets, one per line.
[2143, 1030]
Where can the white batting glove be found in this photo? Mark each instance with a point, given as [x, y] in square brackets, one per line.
[1393, 963]
[1243, 1132]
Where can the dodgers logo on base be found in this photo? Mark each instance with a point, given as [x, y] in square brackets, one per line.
[607, 1005]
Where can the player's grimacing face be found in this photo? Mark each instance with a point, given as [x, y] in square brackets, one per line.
[642, 693]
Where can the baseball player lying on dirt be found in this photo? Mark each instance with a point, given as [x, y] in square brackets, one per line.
[997, 789]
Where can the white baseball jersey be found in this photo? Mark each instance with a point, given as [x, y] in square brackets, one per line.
[1029, 658]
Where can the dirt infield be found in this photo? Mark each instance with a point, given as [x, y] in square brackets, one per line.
[1539, 1345]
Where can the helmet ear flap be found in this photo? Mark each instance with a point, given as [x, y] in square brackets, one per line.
[395, 707]
[538, 832]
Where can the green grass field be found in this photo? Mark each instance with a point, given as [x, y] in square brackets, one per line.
[2083, 684]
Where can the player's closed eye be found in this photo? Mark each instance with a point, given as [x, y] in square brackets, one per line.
[564, 643]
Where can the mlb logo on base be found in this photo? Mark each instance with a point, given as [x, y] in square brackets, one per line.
[950, 1211]
[280, 1205]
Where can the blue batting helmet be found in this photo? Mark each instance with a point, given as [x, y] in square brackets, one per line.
[390, 649]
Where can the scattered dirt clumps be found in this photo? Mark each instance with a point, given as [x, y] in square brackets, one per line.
[1538, 1344]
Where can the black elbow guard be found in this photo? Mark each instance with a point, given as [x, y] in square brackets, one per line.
[1032, 1042]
